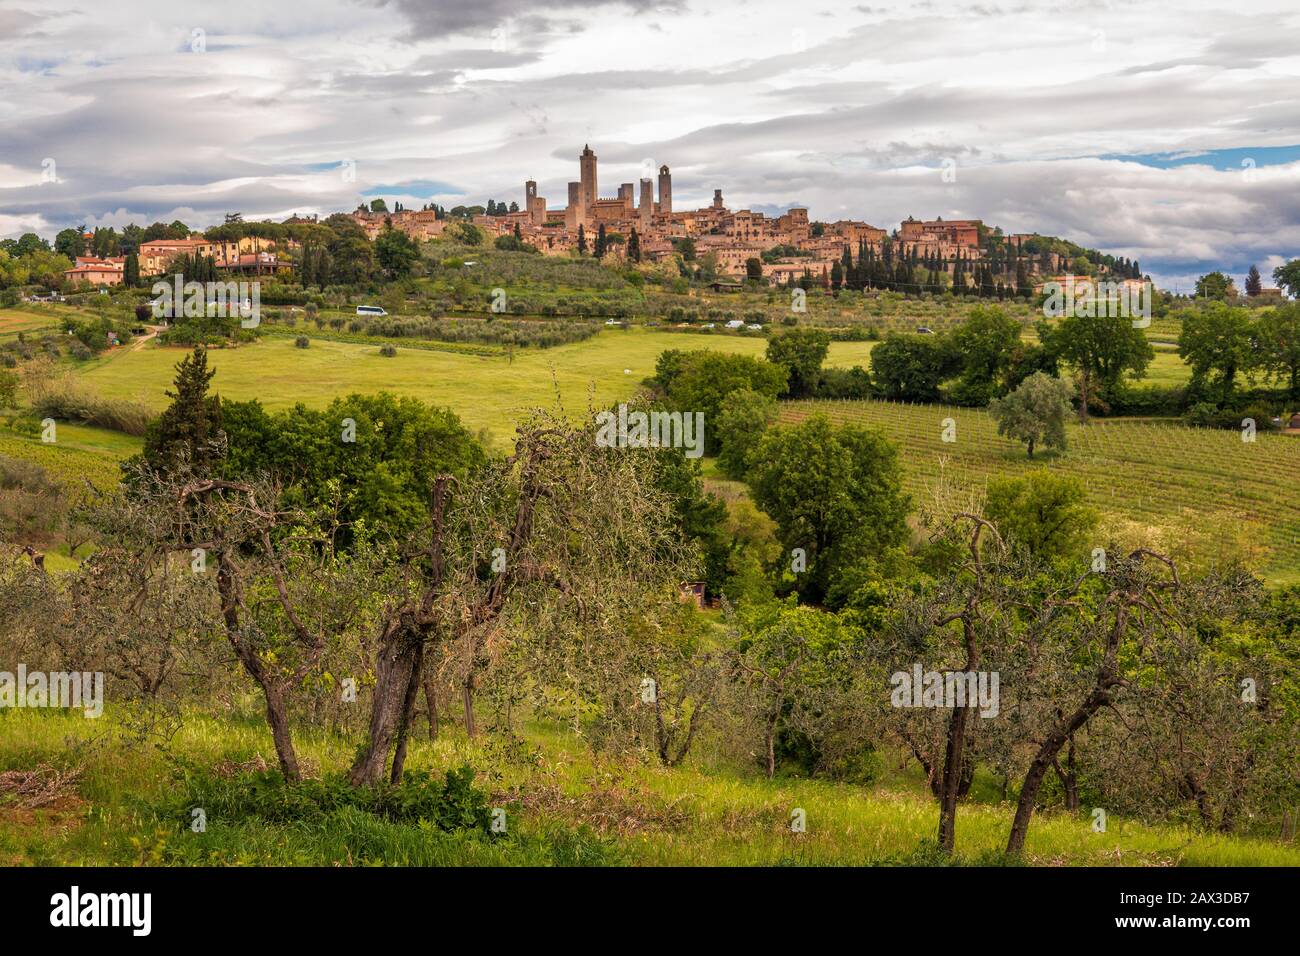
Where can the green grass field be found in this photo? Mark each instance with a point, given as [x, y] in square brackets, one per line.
[27, 321]
[563, 806]
[486, 392]
[1169, 484]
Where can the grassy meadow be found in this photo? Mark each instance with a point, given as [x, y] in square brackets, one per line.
[487, 392]
[563, 806]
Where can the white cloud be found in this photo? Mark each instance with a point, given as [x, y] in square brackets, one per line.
[849, 111]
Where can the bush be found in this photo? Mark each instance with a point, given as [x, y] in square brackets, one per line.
[453, 803]
[388, 351]
[302, 342]
[66, 400]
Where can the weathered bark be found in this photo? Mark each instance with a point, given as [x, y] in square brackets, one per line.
[399, 656]
[955, 757]
[398, 648]
[1044, 758]
[467, 701]
[277, 715]
[408, 713]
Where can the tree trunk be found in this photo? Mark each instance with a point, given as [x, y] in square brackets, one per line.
[1046, 756]
[277, 714]
[397, 655]
[467, 699]
[770, 741]
[953, 770]
[952, 773]
[408, 713]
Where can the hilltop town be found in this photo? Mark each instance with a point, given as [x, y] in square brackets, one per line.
[641, 224]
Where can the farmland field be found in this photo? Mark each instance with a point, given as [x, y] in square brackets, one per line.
[26, 321]
[486, 392]
[1150, 478]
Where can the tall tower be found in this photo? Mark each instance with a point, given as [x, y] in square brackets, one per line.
[717, 199]
[665, 190]
[587, 174]
[646, 208]
[530, 193]
[575, 214]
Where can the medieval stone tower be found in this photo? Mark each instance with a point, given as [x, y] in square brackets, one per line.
[587, 175]
[665, 190]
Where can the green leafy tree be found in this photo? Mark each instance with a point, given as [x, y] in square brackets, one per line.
[912, 367]
[1216, 341]
[396, 252]
[1035, 413]
[700, 381]
[380, 479]
[834, 492]
[1043, 513]
[1277, 332]
[71, 242]
[987, 345]
[1214, 285]
[801, 353]
[1288, 277]
[1102, 349]
[743, 417]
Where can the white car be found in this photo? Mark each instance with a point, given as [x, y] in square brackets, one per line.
[755, 326]
[736, 324]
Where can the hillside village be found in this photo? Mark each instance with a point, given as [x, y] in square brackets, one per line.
[642, 225]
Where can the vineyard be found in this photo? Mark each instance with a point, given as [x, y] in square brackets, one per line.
[1198, 493]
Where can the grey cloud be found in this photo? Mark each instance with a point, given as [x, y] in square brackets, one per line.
[434, 18]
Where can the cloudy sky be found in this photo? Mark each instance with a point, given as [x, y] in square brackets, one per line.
[1165, 131]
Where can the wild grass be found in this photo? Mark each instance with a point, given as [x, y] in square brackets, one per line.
[563, 806]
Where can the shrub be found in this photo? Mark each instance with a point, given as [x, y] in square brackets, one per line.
[302, 342]
[453, 803]
[388, 351]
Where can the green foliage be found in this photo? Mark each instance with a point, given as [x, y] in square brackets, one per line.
[1277, 333]
[701, 381]
[453, 803]
[834, 491]
[382, 479]
[987, 344]
[742, 419]
[1288, 277]
[912, 367]
[1102, 348]
[1042, 513]
[801, 353]
[1217, 342]
[1035, 413]
[1214, 285]
[396, 252]
[188, 432]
